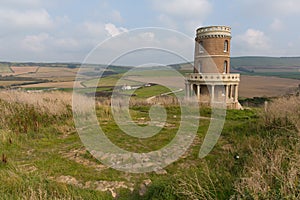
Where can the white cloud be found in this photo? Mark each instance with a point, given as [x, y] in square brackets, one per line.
[116, 16]
[20, 3]
[273, 8]
[35, 43]
[286, 6]
[253, 41]
[168, 21]
[113, 30]
[27, 18]
[189, 13]
[187, 9]
[277, 25]
[66, 43]
[144, 46]
[94, 28]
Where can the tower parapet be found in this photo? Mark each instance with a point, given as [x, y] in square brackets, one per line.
[214, 31]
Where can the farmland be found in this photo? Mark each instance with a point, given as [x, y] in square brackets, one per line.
[256, 81]
[42, 156]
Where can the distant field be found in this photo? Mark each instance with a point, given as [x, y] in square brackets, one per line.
[289, 75]
[258, 86]
[5, 69]
[250, 86]
[55, 85]
[146, 92]
[55, 69]
[153, 73]
[23, 70]
[173, 82]
[9, 83]
[110, 81]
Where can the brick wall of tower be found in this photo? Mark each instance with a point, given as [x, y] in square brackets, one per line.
[213, 57]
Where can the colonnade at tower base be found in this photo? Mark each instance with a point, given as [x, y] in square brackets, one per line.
[214, 89]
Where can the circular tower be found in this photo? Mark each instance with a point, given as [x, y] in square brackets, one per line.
[212, 50]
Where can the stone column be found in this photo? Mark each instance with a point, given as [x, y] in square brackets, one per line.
[198, 91]
[226, 93]
[231, 91]
[236, 93]
[187, 90]
[212, 93]
[191, 90]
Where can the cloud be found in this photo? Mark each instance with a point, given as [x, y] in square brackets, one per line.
[277, 25]
[285, 7]
[116, 16]
[253, 41]
[113, 30]
[268, 8]
[35, 43]
[20, 3]
[94, 28]
[189, 13]
[168, 21]
[25, 19]
[187, 9]
[144, 46]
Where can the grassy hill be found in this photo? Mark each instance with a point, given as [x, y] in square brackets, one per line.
[265, 61]
[42, 157]
[284, 67]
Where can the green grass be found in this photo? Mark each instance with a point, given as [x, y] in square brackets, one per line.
[290, 75]
[109, 81]
[153, 72]
[146, 92]
[36, 156]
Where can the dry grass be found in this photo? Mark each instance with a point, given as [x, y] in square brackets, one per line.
[283, 113]
[54, 102]
[273, 172]
[198, 186]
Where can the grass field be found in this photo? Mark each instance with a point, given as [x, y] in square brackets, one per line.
[146, 92]
[42, 156]
[283, 74]
[61, 84]
[5, 69]
[110, 81]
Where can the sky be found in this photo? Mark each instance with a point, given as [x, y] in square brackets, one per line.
[67, 30]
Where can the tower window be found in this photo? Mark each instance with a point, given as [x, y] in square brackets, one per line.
[226, 46]
[225, 66]
[201, 48]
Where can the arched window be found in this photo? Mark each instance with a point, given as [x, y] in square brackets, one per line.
[226, 46]
[199, 67]
[201, 48]
[225, 67]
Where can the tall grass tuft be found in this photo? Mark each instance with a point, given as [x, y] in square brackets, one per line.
[283, 113]
[22, 112]
[273, 170]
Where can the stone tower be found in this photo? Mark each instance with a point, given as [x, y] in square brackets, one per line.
[212, 81]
